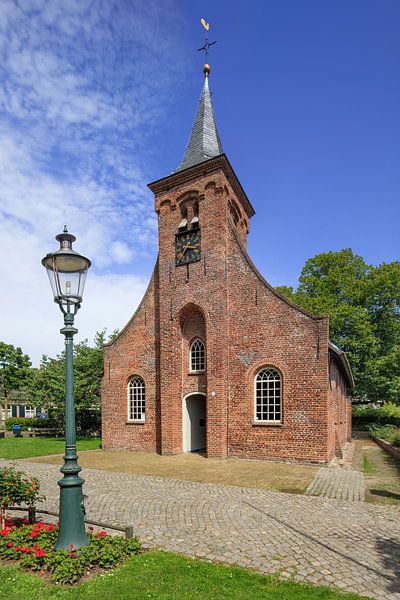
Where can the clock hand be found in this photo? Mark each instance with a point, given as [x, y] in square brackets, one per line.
[183, 251]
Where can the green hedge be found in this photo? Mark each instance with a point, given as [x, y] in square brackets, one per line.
[26, 423]
[365, 416]
[88, 422]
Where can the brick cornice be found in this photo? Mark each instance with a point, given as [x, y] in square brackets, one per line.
[205, 168]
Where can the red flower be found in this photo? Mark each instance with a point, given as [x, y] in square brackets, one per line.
[35, 533]
[9, 523]
[40, 553]
[9, 544]
[101, 534]
[71, 546]
[5, 531]
[50, 527]
[73, 554]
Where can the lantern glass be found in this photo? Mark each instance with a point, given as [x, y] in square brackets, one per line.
[67, 271]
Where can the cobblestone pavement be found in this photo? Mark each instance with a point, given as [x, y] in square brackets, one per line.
[352, 545]
[338, 483]
[343, 478]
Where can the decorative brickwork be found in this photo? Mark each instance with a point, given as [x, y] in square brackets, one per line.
[245, 325]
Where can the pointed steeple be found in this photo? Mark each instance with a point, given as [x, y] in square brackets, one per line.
[204, 142]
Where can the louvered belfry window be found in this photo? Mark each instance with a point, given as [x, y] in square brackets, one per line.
[268, 395]
[136, 399]
[197, 356]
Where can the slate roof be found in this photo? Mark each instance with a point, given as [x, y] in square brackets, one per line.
[204, 142]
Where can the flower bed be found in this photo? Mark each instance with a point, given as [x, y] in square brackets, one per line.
[33, 547]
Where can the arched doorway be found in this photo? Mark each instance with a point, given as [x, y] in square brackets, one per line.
[194, 422]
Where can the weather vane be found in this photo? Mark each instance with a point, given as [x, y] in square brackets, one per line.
[206, 46]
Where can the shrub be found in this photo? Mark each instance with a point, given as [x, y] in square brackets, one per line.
[33, 546]
[389, 409]
[389, 433]
[88, 421]
[26, 423]
[17, 488]
[364, 416]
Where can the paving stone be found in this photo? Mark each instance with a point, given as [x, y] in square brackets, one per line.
[351, 545]
[338, 483]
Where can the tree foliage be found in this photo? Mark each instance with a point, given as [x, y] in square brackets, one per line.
[363, 303]
[47, 383]
[14, 369]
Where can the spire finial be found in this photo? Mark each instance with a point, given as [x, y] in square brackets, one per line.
[205, 48]
[65, 229]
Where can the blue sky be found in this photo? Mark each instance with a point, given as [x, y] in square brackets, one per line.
[97, 99]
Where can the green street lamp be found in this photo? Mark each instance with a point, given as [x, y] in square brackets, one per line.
[67, 274]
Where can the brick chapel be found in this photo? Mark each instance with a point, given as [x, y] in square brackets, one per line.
[215, 359]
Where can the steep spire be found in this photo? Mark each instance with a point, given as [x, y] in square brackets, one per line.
[204, 142]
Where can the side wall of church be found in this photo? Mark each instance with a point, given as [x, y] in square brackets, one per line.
[132, 353]
[266, 331]
[340, 425]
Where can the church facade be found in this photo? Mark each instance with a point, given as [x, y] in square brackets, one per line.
[214, 358]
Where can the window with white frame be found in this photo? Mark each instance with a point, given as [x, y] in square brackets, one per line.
[268, 395]
[9, 412]
[30, 412]
[197, 356]
[136, 399]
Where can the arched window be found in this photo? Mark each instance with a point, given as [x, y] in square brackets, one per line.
[268, 395]
[197, 356]
[136, 399]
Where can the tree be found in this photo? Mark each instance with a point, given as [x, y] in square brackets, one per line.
[14, 371]
[363, 303]
[47, 383]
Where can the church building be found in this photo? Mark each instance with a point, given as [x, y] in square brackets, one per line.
[215, 359]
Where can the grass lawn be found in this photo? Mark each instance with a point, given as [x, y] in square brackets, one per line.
[165, 576]
[12, 448]
[381, 475]
[280, 477]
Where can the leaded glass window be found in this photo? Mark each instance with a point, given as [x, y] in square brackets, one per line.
[268, 395]
[197, 356]
[136, 399]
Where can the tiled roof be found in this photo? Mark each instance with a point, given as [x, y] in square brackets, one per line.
[204, 142]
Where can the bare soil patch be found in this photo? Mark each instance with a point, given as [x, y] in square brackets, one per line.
[281, 477]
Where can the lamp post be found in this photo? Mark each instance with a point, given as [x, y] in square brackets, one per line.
[67, 274]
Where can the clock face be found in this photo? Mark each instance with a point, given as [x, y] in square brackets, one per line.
[187, 247]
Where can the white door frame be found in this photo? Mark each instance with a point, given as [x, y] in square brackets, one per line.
[184, 416]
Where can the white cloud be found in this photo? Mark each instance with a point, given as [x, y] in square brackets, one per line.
[83, 86]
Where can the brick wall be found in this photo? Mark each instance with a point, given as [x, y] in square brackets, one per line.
[245, 325]
[132, 353]
[340, 425]
[265, 330]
